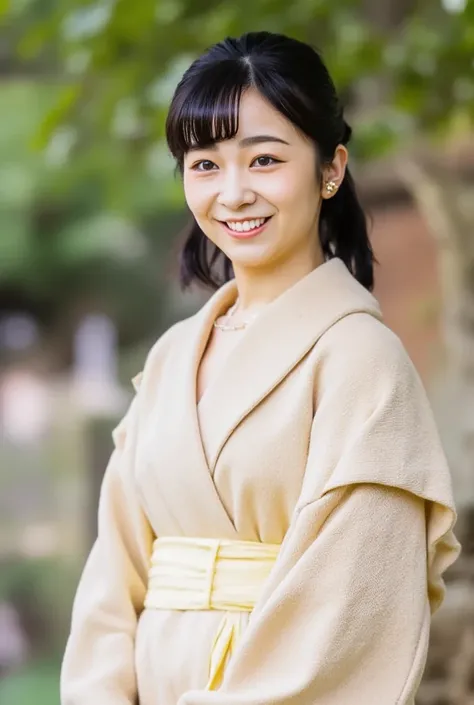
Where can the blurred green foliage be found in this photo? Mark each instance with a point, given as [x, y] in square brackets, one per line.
[123, 58]
[74, 230]
[41, 591]
[37, 683]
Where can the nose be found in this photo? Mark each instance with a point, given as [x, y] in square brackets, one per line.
[234, 192]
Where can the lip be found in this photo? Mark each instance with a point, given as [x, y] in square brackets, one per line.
[245, 235]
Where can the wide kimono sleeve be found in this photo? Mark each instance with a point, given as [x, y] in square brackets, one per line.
[98, 665]
[345, 615]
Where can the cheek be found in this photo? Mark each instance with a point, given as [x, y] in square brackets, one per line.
[198, 196]
[295, 194]
[191, 194]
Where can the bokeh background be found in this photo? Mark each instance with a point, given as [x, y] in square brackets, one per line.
[90, 220]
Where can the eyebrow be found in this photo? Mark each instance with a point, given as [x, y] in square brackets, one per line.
[245, 142]
[259, 139]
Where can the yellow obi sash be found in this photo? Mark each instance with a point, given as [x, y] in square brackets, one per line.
[210, 574]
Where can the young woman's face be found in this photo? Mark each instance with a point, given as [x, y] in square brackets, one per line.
[257, 196]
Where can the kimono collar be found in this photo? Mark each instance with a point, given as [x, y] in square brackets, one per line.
[274, 342]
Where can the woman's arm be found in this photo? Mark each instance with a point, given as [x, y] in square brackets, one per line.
[98, 665]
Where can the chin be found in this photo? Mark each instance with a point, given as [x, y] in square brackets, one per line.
[255, 260]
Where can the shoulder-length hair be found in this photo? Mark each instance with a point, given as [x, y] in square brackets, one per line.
[293, 78]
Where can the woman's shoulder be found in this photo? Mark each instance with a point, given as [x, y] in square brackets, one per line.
[161, 350]
[368, 386]
[361, 346]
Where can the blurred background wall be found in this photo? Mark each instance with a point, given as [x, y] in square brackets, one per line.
[90, 220]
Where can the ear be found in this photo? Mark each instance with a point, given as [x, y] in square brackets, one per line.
[333, 174]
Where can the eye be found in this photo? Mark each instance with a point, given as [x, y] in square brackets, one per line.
[265, 160]
[203, 165]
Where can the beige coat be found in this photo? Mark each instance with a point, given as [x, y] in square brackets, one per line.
[315, 433]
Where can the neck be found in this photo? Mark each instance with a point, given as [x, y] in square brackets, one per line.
[259, 286]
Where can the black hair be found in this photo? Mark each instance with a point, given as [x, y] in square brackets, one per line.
[293, 78]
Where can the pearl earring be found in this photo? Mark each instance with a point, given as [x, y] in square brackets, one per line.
[331, 187]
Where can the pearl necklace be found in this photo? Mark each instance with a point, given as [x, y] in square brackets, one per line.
[229, 314]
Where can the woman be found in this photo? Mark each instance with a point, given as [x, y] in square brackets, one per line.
[277, 513]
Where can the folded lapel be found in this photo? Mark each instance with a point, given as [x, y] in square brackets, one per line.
[273, 345]
[191, 483]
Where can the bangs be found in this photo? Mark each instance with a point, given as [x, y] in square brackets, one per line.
[208, 112]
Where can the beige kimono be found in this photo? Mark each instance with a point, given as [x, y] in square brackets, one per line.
[316, 434]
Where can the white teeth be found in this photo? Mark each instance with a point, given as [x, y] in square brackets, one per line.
[246, 225]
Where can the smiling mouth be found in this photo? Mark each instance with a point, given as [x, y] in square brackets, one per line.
[245, 228]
